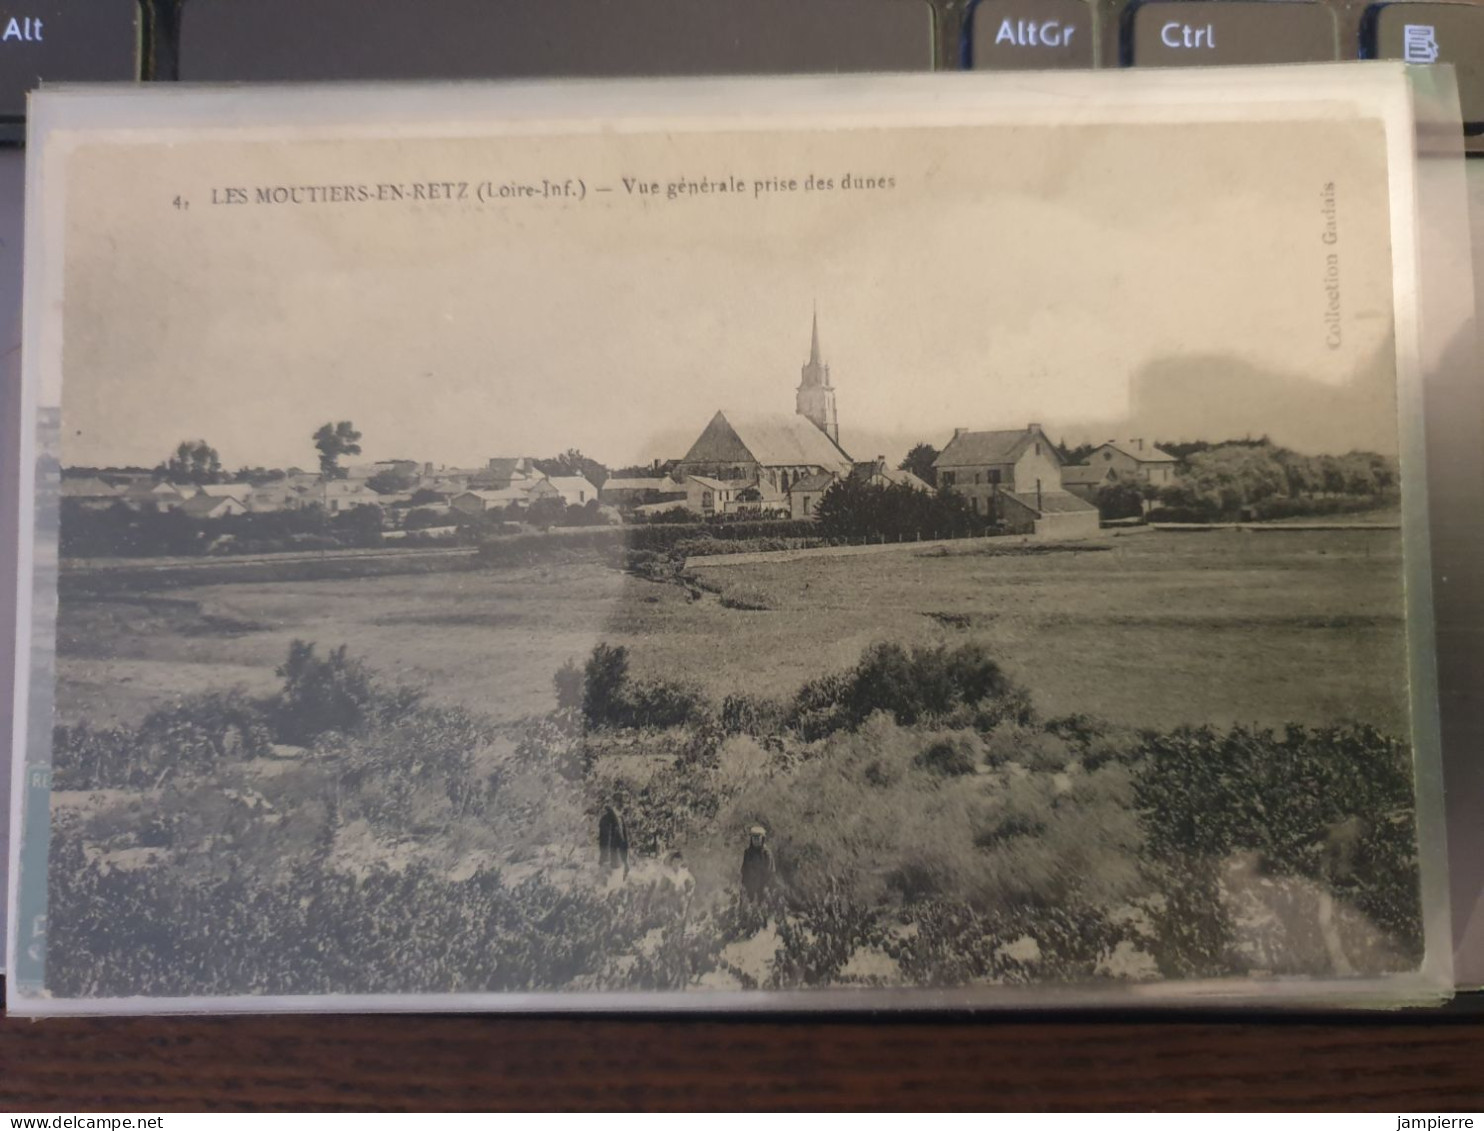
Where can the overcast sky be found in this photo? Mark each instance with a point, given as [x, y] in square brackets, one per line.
[1011, 275]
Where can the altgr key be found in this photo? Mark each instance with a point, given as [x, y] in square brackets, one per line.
[1026, 35]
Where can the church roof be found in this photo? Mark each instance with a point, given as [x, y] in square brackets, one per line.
[773, 441]
[971, 449]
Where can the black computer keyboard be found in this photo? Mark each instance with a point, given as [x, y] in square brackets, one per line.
[310, 40]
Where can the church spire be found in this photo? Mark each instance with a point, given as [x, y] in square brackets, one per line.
[816, 396]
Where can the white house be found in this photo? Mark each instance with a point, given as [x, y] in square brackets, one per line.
[213, 506]
[573, 490]
[1014, 478]
[707, 496]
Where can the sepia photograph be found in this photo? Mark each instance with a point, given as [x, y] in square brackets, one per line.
[685, 561]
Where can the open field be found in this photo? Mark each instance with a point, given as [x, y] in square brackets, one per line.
[1161, 629]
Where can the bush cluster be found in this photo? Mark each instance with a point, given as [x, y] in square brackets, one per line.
[1258, 480]
[1332, 804]
[123, 933]
[193, 736]
[853, 508]
[963, 686]
[611, 698]
[121, 531]
[320, 695]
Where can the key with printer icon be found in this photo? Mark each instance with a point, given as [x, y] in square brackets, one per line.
[1424, 32]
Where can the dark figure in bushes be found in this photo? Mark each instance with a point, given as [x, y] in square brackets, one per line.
[613, 841]
[757, 865]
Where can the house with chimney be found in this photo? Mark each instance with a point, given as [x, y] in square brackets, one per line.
[1013, 478]
[1134, 459]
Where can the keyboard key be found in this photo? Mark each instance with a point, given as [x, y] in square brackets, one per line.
[306, 40]
[65, 41]
[1189, 33]
[1434, 33]
[1030, 35]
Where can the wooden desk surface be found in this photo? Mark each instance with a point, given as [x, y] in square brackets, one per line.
[423, 1063]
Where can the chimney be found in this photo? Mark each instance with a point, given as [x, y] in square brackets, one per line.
[1139, 444]
[957, 432]
[1032, 427]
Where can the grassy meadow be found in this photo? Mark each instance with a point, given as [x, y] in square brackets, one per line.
[1159, 755]
[1157, 630]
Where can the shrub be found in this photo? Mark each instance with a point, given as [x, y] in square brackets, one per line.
[752, 714]
[925, 684]
[569, 687]
[195, 735]
[951, 757]
[852, 508]
[1123, 499]
[611, 699]
[1332, 805]
[747, 598]
[336, 693]
[1282, 507]
[421, 518]
[1080, 729]
[605, 677]
[663, 703]
[1194, 514]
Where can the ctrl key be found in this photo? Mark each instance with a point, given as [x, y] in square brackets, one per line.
[1418, 32]
[1191, 33]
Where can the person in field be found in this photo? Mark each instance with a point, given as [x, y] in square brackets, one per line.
[757, 864]
[613, 841]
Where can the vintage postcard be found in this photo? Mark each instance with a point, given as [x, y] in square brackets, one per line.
[749, 544]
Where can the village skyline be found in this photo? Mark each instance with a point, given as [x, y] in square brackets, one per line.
[1175, 403]
[456, 335]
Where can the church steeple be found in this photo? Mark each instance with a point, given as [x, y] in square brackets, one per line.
[816, 396]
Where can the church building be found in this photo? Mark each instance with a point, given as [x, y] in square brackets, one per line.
[773, 452]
